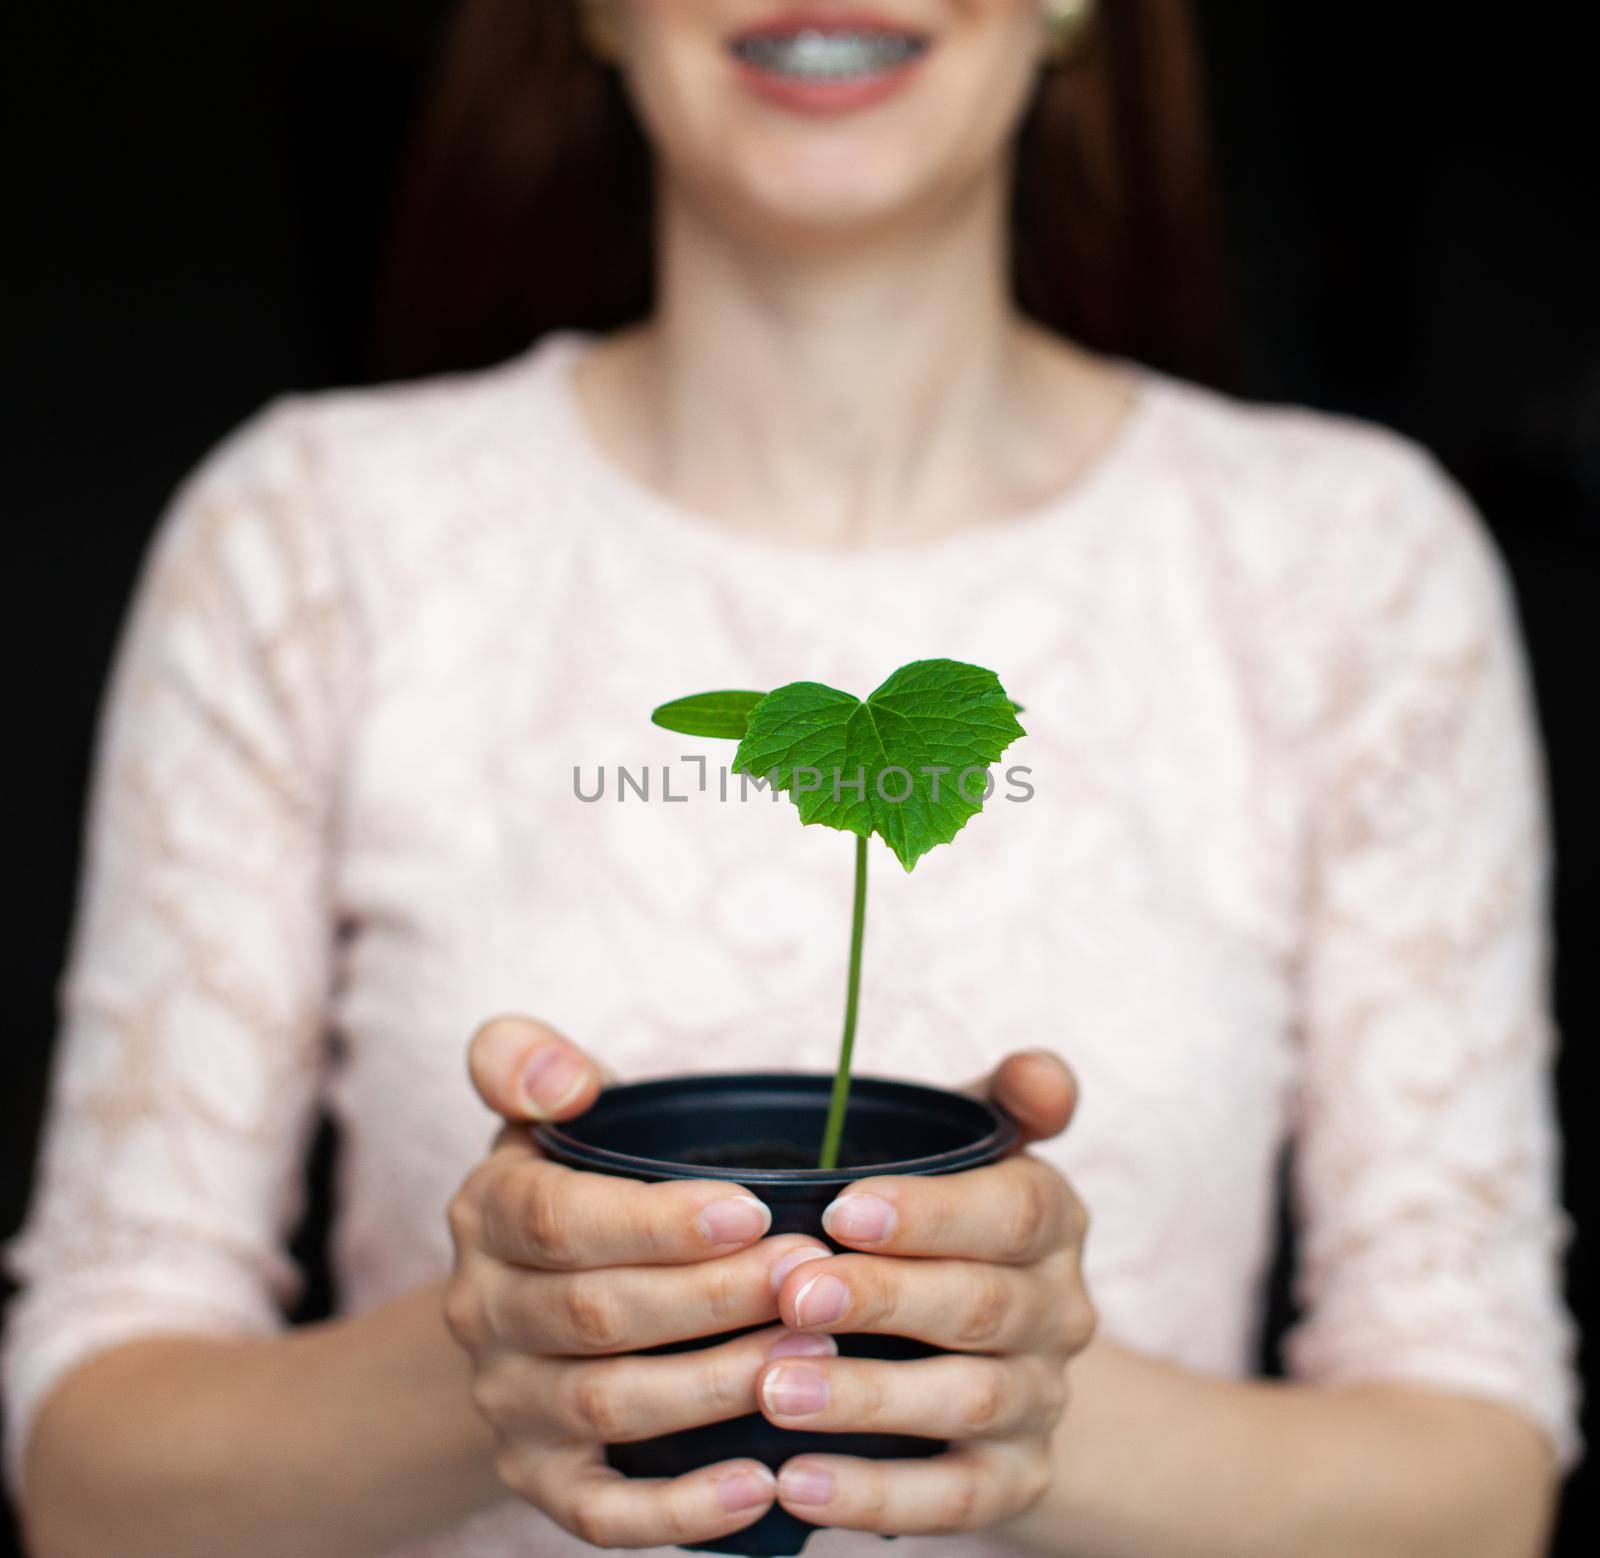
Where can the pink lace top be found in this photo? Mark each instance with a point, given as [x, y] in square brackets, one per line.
[1282, 875]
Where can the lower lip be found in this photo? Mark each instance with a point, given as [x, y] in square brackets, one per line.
[828, 97]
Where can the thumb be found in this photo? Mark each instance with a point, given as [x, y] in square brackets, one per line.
[525, 1070]
[1036, 1088]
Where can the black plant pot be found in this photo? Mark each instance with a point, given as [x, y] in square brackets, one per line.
[727, 1127]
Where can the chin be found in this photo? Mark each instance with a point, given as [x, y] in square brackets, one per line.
[826, 191]
[807, 183]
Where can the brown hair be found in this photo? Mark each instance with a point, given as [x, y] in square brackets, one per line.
[525, 201]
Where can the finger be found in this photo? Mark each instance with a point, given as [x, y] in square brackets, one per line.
[971, 1486]
[1036, 1088]
[601, 1506]
[1016, 1211]
[962, 1306]
[616, 1400]
[624, 1308]
[951, 1397]
[525, 1070]
[542, 1214]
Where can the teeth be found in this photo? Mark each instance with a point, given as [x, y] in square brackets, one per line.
[814, 55]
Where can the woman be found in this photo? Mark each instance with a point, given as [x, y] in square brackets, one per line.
[1281, 878]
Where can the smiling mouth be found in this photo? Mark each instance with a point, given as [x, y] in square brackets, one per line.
[819, 54]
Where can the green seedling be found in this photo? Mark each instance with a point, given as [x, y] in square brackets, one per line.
[909, 763]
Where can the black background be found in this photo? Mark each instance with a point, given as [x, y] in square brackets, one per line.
[194, 203]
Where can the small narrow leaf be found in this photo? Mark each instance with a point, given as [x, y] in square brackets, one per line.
[721, 714]
[908, 763]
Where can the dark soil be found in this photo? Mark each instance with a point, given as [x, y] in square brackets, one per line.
[777, 1155]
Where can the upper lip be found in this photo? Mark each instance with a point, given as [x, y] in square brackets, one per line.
[786, 23]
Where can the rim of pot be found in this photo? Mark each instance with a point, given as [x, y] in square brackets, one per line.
[998, 1140]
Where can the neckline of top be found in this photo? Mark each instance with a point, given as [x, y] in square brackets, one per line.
[554, 360]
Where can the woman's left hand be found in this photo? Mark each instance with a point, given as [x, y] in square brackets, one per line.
[986, 1264]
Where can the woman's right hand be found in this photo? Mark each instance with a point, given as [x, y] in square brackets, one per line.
[561, 1276]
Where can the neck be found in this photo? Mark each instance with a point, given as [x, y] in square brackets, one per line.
[835, 397]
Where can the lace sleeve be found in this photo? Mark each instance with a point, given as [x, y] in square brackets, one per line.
[193, 1003]
[1432, 1237]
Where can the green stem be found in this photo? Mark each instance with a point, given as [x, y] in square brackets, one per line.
[833, 1132]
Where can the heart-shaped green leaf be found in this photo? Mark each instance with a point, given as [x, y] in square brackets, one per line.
[709, 714]
[909, 763]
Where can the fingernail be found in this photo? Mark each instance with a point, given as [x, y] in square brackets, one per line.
[802, 1484]
[821, 1301]
[745, 1489]
[794, 1390]
[794, 1258]
[860, 1218]
[800, 1344]
[734, 1220]
[552, 1079]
